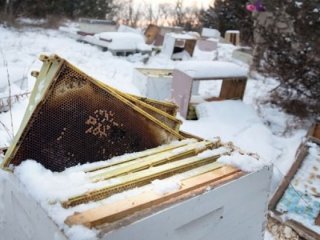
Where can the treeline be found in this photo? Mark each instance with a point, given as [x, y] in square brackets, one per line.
[284, 35]
[285, 38]
[65, 8]
[229, 15]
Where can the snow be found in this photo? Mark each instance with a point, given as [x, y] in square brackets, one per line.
[268, 236]
[184, 36]
[254, 127]
[244, 162]
[32, 21]
[210, 33]
[79, 232]
[165, 186]
[211, 69]
[233, 121]
[209, 55]
[32, 173]
[3, 176]
[233, 31]
[123, 40]
[6, 134]
[127, 29]
[73, 181]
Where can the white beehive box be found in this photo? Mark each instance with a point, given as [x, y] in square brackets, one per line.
[156, 83]
[235, 210]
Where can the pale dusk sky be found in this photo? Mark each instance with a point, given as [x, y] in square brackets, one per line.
[199, 3]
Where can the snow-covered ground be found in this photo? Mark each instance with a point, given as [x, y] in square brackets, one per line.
[254, 127]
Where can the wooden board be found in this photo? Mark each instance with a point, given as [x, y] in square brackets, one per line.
[317, 222]
[227, 209]
[151, 33]
[314, 133]
[190, 45]
[146, 153]
[144, 177]
[118, 210]
[302, 152]
[233, 88]
[153, 160]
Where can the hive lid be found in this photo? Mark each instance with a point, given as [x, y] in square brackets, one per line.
[73, 119]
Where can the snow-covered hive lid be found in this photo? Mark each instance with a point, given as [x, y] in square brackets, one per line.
[123, 40]
[211, 69]
[185, 36]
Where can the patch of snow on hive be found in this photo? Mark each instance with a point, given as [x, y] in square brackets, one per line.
[244, 162]
[165, 186]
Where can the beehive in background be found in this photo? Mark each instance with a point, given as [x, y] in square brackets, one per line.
[233, 36]
[73, 119]
[151, 33]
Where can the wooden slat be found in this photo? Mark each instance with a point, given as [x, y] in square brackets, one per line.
[313, 133]
[301, 154]
[316, 132]
[153, 160]
[145, 153]
[233, 88]
[141, 178]
[317, 222]
[151, 33]
[118, 210]
[190, 45]
[189, 135]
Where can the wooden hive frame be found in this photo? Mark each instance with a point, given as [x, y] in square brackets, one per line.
[206, 174]
[141, 171]
[314, 132]
[108, 216]
[44, 87]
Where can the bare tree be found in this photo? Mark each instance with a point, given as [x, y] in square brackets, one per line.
[178, 13]
[129, 13]
[165, 12]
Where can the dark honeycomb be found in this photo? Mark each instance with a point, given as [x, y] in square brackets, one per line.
[80, 122]
[167, 107]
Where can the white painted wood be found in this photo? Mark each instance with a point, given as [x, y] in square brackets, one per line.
[24, 218]
[168, 45]
[153, 87]
[234, 211]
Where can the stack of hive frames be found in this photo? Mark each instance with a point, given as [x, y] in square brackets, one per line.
[149, 165]
[73, 118]
[197, 171]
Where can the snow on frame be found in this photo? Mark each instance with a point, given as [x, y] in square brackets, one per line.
[244, 162]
